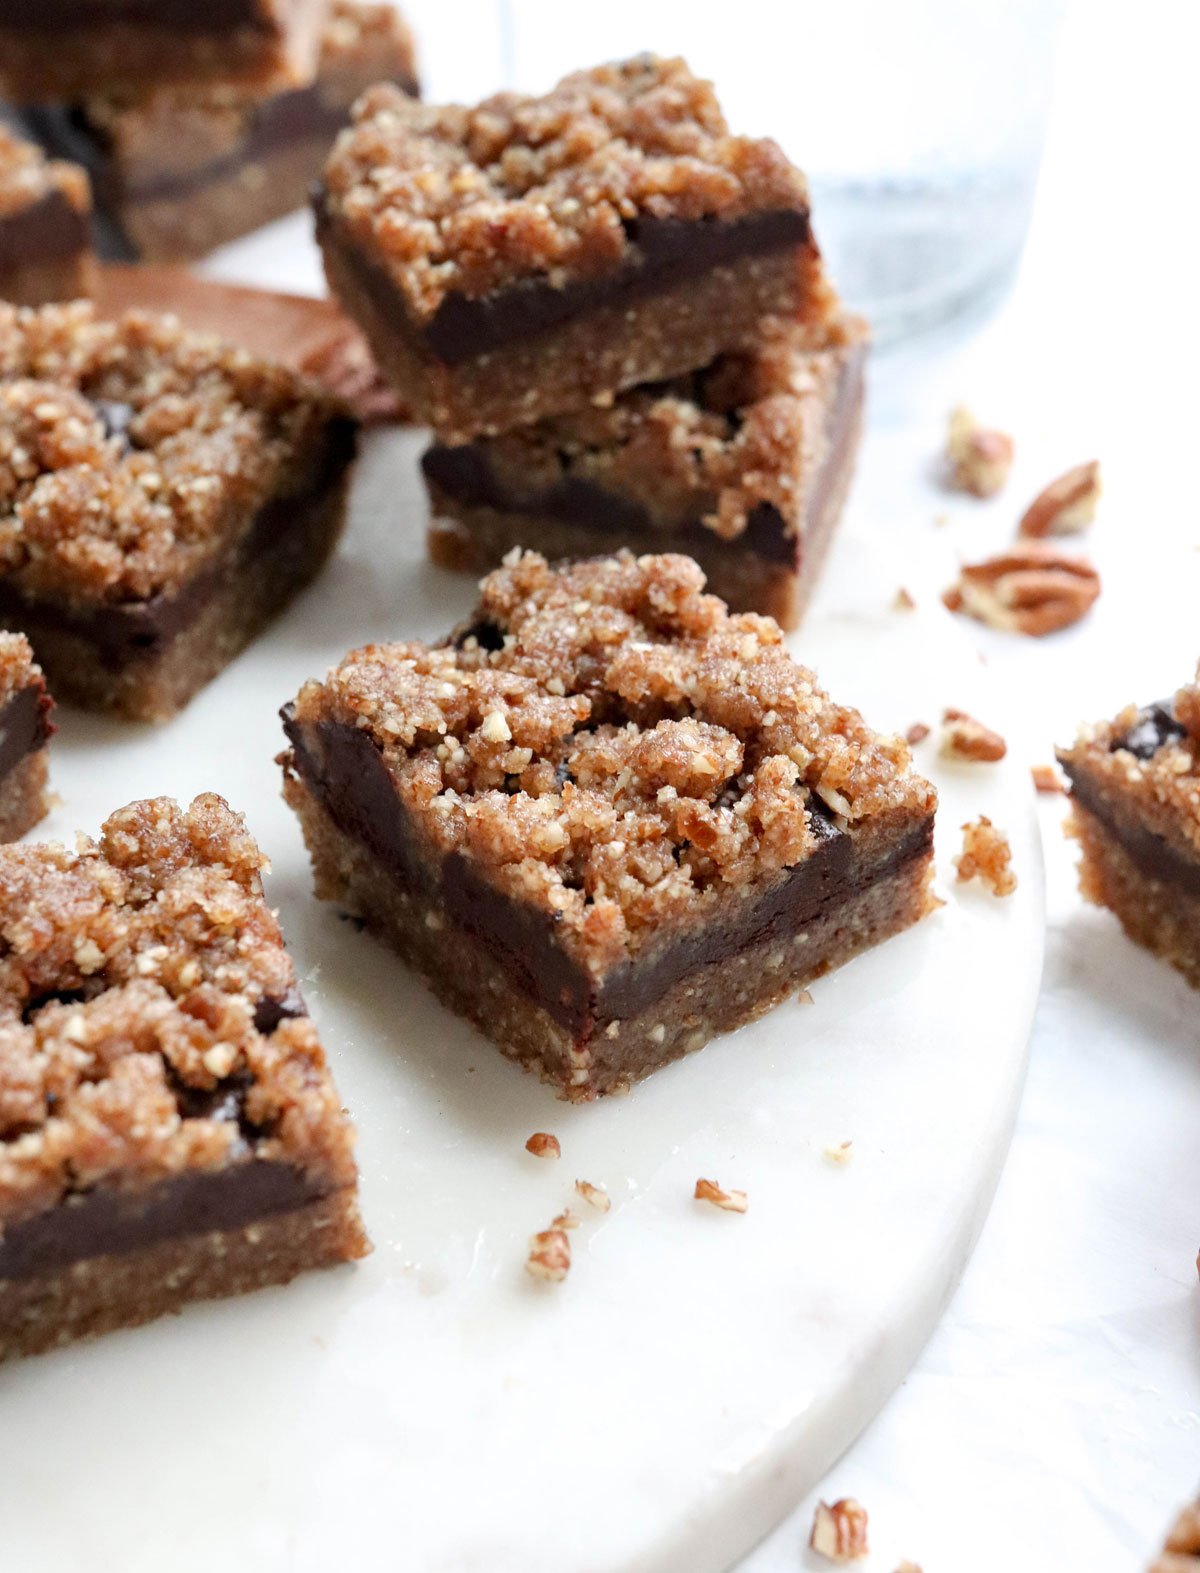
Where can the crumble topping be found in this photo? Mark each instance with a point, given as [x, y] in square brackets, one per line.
[986, 855]
[131, 451]
[130, 973]
[27, 175]
[468, 200]
[744, 431]
[17, 669]
[611, 746]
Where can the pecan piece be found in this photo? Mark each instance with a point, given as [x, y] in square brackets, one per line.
[965, 738]
[1033, 589]
[979, 458]
[594, 1195]
[729, 1201]
[917, 733]
[839, 1533]
[549, 1256]
[1047, 780]
[543, 1145]
[1066, 506]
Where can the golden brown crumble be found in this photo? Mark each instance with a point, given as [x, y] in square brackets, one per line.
[130, 975]
[468, 200]
[608, 744]
[17, 669]
[839, 1532]
[543, 1145]
[978, 457]
[743, 432]
[26, 175]
[986, 855]
[131, 451]
[717, 1196]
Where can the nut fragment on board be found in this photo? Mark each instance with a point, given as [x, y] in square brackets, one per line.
[905, 600]
[917, 733]
[1047, 780]
[839, 1533]
[1066, 506]
[986, 855]
[1034, 589]
[594, 1195]
[965, 738]
[730, 1201]
[549, 1256]
[840, 1152]
[543, 1145]
[979, 457]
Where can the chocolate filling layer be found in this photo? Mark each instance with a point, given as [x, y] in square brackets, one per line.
[25, 726]
[1154, 854]
[663, 253]
[345, 772]
[107, 1221]
[125, 631]
[467, 475]
[43, 231]
[173, 16]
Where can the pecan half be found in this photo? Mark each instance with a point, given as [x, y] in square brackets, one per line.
[979, 457]
[839, 1533]
[1033, 589]
[1066, 506]
[965, 738]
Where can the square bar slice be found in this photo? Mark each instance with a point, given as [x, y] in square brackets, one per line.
[1135, 810]
[180, 171]
[607, 820]
[169, 1130]
[743, 465]
[162, 497]
[532, 255]
[45, 226]
[25, 729]
[67, 49]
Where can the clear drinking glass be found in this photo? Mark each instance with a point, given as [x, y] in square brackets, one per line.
[919, 124]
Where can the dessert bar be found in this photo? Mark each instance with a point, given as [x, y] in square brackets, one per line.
[25, 729]
[45, 226]
[607, 820]
[67, 49]
[169, 1130]
[162, 496]
[530, 255]
[1135, 809]
[1181, 1550]
[180, 171]
[744, 465]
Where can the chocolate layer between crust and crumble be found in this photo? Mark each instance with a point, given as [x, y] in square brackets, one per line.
[593, 838]
[743, 465]
[554, 242]
[25, 729]
[1135, 792]
[168, 1127]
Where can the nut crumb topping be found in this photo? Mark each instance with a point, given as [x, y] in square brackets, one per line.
[549, 1256]
[611, 746]
[1066, 506]
[986, 855]
[1031, 589]
[542, 1145]
[965, 738]
[839, 1533]
[594, 1195]
[978, 458]
[454, 200]
[728, 1201]
[131, 975]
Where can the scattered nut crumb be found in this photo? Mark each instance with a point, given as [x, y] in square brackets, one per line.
[1032, 589]
[565, 1220]
[594, 1195]
[1066, 506]
[965, 738]
[909, 1567]
[731, 1201]
[905, 600]
[1047, 779]
[979, 457]
[542, 1145]
[549, 1256]
[917, 733]
[839, 1533]
[986, 855]
[840, 1152]
[804, 997]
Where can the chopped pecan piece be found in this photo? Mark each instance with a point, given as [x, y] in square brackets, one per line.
[840, 1152]
[986, 855]
[730, 1201]
[917, 733]
[543, 1145]
[965, 738]
[594, 1195]
[1033, 589]
[905, 600]
[1046, 779]
[839, 1533]
[979, 457]
[549, 1255]
[1066, 506]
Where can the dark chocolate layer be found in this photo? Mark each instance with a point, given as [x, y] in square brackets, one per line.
[108, 1221]
[170, 16]
[466, 474]
[25, 725]
[43, 231]
[126, 631]
[1154, 855]
[663, 253]
[346, 773]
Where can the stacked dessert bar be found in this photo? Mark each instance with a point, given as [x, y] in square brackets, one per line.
[613, 314]
[196, 123]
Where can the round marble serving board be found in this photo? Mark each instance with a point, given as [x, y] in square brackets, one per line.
[434, 1409]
